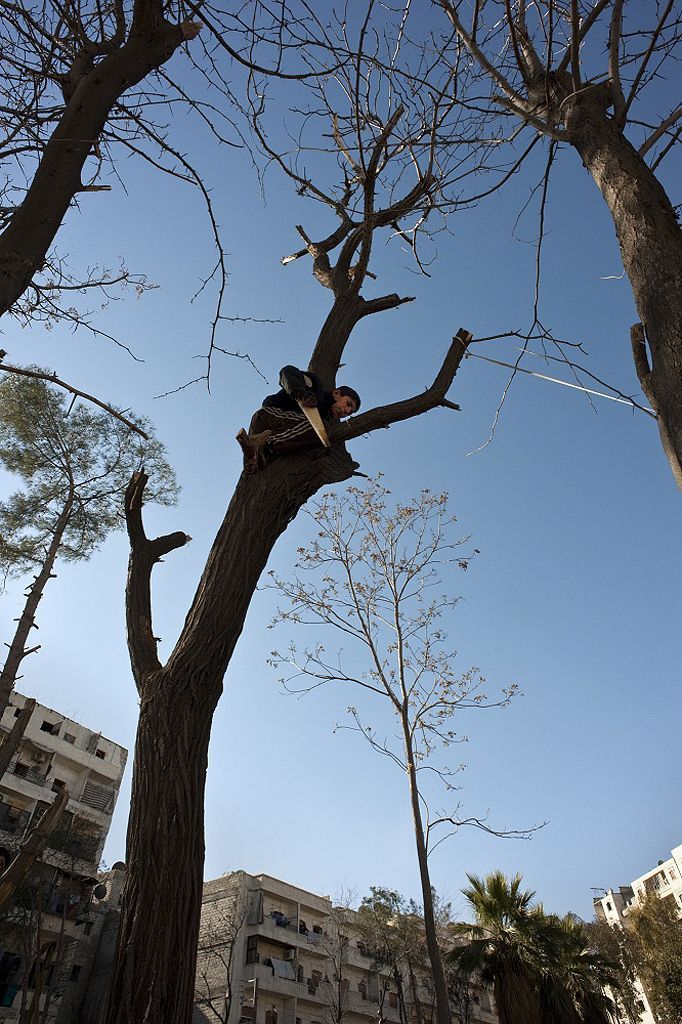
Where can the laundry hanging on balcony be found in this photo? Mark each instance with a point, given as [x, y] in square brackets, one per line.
[283, 969]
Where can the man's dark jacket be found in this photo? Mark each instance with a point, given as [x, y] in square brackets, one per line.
[295, 382]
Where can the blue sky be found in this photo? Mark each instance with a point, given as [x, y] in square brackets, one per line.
[575, 595]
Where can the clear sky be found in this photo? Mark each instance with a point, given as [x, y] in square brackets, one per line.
[576, 593]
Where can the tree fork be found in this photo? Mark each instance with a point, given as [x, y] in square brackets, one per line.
[165, 849]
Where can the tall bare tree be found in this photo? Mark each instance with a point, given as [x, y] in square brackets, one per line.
[580, 74]
[384, 156]
[372, 573]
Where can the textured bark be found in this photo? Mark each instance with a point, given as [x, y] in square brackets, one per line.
[651, 248]
[336, 330]
[153, 982]
[25, 241]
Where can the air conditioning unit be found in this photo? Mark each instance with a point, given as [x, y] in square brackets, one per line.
[39, 757]
[290, 954]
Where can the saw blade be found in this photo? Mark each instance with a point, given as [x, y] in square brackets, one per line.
[316, 423]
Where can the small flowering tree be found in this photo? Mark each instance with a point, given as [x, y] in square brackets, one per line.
[371, 575]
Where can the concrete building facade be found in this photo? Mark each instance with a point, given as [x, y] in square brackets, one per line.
[40, 932]
[272, 953]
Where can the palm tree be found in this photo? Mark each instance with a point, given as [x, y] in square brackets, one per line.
[576, 976]
[502, 948]
[542, 968]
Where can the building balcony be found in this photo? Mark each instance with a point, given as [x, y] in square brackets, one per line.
[18, 769]
[268, 981]
[72, 845]
[354, 958]
[289, 935]
[355, 1002]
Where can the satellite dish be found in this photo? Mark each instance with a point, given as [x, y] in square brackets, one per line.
[100, 891]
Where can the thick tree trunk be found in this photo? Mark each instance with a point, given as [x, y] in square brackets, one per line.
[25, 241]
[17, 648]
[651, 247]
[443, 1015]
[153, 981]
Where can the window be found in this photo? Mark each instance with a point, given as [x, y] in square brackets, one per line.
[393, 1000]
[87, 927]
[252, 949]
[17, 712]
[51, 727]
[101, 754]
[21, 770]
[57, 785]
[608, 906]
[75, 971]
[69, 737]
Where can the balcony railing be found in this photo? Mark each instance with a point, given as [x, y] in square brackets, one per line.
[73, 845]
[24, 771]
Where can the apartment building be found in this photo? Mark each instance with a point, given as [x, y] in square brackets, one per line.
[84, 999]
[39, 934]
[272, 953]
[614, 905]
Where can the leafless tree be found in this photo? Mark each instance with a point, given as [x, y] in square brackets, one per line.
[387, 173]
[335, 943]
[584, 74]
[371, 573]
[81, 88]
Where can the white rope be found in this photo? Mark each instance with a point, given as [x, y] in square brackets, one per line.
[565, 383]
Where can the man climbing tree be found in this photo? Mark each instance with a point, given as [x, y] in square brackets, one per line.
[294, 417]
[388, 145]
